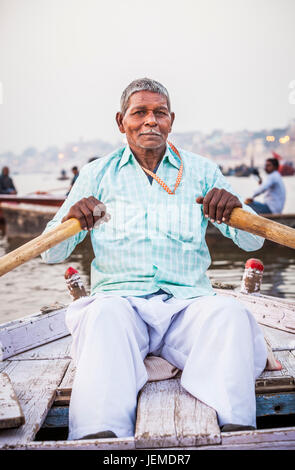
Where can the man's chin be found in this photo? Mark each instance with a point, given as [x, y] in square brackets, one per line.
[151, 145]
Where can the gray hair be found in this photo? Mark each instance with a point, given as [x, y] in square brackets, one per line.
[142, 84]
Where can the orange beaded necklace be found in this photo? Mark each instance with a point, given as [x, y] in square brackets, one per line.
[161, 182]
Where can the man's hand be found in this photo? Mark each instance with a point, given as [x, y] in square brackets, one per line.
[218, 205]
[88, 211]
[249, 200]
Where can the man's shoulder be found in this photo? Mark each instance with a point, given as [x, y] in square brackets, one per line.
[276, 176]
[197, 160]
[102, 163]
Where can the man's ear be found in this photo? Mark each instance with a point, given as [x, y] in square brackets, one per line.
[119, 120]
[172, 120]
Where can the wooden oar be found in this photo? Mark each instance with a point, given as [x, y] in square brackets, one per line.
[239, 219]
[262, 226]
[38, 245]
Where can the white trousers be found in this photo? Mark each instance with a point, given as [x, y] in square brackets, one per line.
[215, 340]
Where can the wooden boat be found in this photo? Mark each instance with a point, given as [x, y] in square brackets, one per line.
[36, 358]
[37, 199]
[26, 220]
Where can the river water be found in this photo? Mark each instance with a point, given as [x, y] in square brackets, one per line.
[33, 285]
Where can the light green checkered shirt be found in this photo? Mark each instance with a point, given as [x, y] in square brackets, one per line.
[153, 240]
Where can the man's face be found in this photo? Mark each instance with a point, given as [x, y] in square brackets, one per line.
[5, 171]
[268, 167]
[147, 121]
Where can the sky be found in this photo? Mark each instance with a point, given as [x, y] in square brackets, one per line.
[227, 65]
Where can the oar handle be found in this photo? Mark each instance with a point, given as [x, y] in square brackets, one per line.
[262, 226]
[38, 245]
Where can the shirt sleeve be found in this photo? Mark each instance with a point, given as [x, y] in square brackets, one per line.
[245, 240]
[81, 188]
[264, 187]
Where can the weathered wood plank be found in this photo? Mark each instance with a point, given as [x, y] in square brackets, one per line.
[279, 340]
[126, 443]
[34, 383]
[248, 440]
[167, 415]
[30, 332]
[129, 444]
[274, 445]
[275, 384]
[275, 404]
[287, 359]
[259, 436]
[65, 388]
[267, 311]
[57, 349]
[11, 415]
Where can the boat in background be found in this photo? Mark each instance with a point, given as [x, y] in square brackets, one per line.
[286, 168]
[27, 216]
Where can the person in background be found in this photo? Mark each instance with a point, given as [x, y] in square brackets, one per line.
[76, 174]
[6, 183]
[274, 189]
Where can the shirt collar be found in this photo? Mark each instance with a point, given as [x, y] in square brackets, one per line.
[169, 155]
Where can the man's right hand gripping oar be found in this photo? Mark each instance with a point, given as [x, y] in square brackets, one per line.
[89, 211]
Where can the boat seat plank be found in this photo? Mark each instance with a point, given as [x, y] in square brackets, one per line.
[11, 415]
[35, 383]
[167, 416]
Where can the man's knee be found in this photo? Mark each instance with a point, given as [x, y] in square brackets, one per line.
[232, 311]
[223, 309]
[115, 310]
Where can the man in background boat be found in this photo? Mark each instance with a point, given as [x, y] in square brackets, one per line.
[150, 291]
[6, 183]
[273, 189]
[75, 172]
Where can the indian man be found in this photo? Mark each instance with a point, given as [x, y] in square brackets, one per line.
[149, 290]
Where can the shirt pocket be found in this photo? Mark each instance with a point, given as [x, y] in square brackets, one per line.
[184, 221]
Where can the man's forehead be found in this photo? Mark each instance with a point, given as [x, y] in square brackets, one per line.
[147, 98]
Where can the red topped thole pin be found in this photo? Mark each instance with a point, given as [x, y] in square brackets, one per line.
[252, 276]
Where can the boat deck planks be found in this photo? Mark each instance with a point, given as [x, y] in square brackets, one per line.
[11, 414]
[168, 416]
[34, 382]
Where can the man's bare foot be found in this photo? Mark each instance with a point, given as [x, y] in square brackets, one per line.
[236, 427]
[100, 435]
